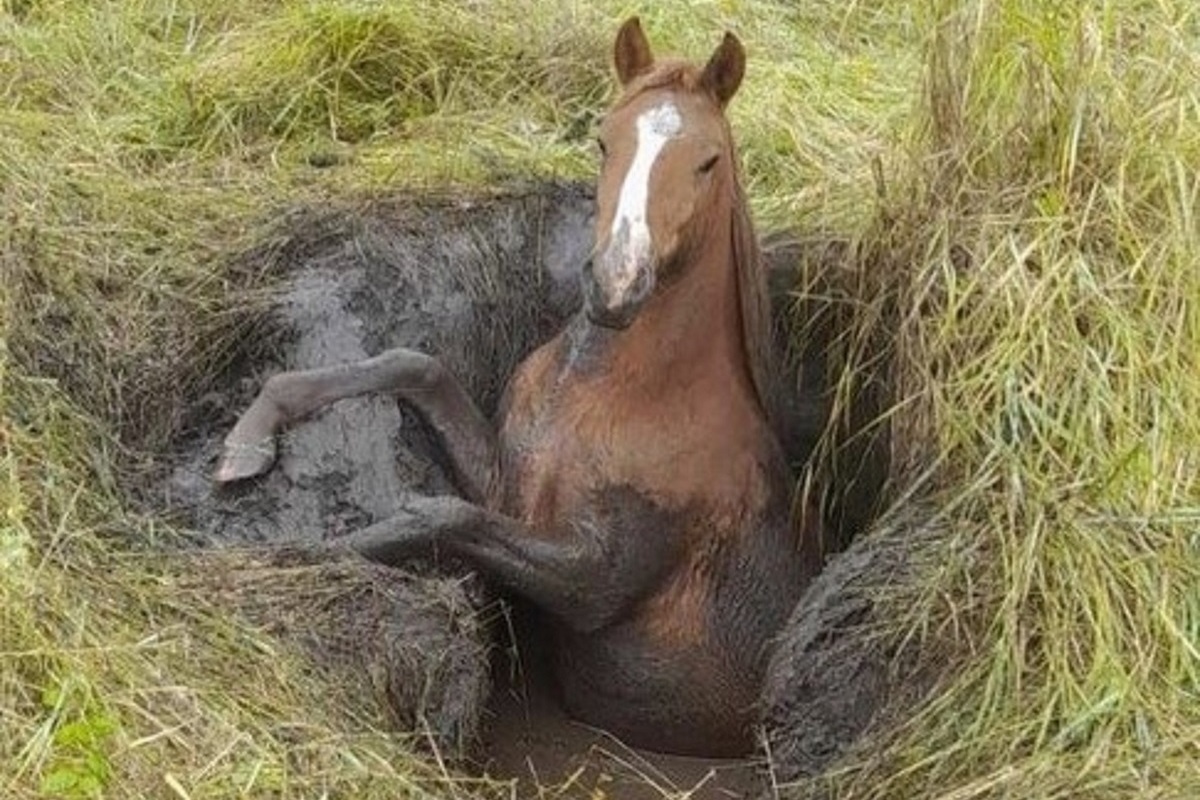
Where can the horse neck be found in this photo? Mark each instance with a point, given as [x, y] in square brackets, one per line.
[690, 333]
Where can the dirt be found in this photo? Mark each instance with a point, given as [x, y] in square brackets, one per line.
[479, 283]
[833, 671]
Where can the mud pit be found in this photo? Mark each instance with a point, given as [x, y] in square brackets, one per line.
[479, 283]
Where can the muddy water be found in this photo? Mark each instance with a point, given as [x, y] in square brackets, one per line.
[528, 738]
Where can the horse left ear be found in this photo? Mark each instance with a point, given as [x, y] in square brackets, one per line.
[723, 73]
[631, 51]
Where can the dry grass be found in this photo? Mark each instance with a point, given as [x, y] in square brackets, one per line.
[1035, 272]
[1019, 178]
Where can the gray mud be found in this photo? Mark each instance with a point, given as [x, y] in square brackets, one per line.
[480, 283]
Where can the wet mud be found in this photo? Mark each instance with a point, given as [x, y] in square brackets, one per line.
[478, 283]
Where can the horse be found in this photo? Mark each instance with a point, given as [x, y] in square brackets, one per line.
[631, 487]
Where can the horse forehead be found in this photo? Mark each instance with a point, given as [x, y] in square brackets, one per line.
[678, 118]
[663, 120]
[659, 115]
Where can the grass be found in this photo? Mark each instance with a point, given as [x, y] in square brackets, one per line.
[1019, 180]
[1038, 278]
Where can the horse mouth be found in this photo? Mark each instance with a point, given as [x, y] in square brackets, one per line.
[617, 320]
[616, 310]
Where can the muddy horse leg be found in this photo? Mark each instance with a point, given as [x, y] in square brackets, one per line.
[418, 379]
[585, 578]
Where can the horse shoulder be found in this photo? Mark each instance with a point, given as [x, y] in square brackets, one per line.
[524, 391]
[716, 453]
[546, 467]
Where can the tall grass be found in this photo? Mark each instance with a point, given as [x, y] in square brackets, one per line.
[1019, 178]
[1040, 260]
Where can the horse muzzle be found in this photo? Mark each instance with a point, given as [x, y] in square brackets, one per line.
[615, 289]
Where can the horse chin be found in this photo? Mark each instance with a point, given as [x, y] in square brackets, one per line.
[617, 320]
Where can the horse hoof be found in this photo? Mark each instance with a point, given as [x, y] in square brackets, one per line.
[240, 461]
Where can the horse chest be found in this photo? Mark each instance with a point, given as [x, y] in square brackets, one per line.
[551, 465]
[561, 451]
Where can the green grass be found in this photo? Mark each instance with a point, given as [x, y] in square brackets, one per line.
[1019, 178]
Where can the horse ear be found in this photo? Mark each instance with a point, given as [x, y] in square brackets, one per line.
[723, 73]
[631, 53]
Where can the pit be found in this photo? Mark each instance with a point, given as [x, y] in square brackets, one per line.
[479, 282]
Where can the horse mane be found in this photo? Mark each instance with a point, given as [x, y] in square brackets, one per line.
[754, 300]
[753, 297]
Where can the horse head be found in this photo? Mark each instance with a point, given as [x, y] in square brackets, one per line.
[668, 166]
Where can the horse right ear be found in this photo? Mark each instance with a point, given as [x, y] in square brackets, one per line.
[631, 53]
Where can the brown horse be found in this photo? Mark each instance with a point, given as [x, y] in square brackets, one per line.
[632, 488]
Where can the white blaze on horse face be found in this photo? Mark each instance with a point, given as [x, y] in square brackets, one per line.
[630, 229]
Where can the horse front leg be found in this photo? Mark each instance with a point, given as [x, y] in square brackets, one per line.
[419, 379]
[585, 576]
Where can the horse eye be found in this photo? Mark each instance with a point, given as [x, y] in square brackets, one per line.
[707, 166]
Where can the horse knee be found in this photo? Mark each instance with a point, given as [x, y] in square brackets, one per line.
[284, 394]
[431, 374]
[416, 371]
